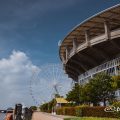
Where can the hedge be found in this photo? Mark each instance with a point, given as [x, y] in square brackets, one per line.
[84, 111]
[96, 112]
[116, 105]
[66, 111]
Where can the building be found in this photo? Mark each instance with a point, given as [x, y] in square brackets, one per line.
[61, 102]
[93, 46]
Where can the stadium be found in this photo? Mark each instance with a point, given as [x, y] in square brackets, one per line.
[93, 46]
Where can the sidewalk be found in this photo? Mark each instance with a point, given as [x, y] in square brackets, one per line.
[47, 116]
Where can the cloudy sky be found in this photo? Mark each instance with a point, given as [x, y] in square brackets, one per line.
[29, 34]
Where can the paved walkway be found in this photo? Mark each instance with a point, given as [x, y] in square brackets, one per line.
[46, 116]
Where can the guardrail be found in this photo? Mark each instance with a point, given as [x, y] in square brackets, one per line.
[111, 67]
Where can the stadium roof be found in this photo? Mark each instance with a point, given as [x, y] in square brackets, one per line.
[93, 24]
[92, 42]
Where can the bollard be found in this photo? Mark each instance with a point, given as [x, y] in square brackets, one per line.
[27, 114]
[18, 112]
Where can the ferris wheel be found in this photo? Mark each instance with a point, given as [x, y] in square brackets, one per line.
[47, 82]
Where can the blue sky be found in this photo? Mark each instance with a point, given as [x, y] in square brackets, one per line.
[36, 26]
[29, 34]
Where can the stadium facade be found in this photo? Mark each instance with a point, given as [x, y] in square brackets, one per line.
[93, 46]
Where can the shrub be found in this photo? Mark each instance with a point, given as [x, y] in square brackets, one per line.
[66, 111]
[70, 111]
[96, 112]
[33, 108]
[86, 111]
[78, 110]
[60, 111]
[117, 105]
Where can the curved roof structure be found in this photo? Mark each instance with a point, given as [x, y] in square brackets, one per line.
[82, 50]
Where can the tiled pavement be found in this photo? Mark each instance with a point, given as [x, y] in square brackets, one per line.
[46, 116]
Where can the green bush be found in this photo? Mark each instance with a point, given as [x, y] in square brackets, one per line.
[70, 111]
[79, 110]
[96, 112]
[85, 111]
[117, 105]
[60, 111]
[33, 108]
[66, 111]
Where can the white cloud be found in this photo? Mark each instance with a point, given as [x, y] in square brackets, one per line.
[15, 73]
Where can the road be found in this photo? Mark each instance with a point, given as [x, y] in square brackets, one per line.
[45, 116]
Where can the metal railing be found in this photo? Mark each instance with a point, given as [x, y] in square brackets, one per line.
[110, 67]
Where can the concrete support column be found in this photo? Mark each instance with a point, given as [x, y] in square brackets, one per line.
[67, 53]
[63, 66]
[115, 70]
[115, 67]
[87, 38]
[107, 30]
[63, 59]
[74, 45]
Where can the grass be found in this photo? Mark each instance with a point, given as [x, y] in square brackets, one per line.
[90, 118]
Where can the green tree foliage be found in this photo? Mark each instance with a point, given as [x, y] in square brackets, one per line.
[75, 94]
[57, 96]
[116, 82]
[100, 88]
[44, 107]
[33, 107]
[47, 107]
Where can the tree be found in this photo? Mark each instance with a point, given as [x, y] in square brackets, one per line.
[116, 82]
[75, 95]
[33, 107]
[47, 107]
[44, 107]
[100, 88]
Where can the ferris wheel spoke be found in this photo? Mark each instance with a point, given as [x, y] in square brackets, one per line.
[59, 75]
[57, 72]
[46, 83]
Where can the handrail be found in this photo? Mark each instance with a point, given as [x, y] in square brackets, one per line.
[100, 68]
